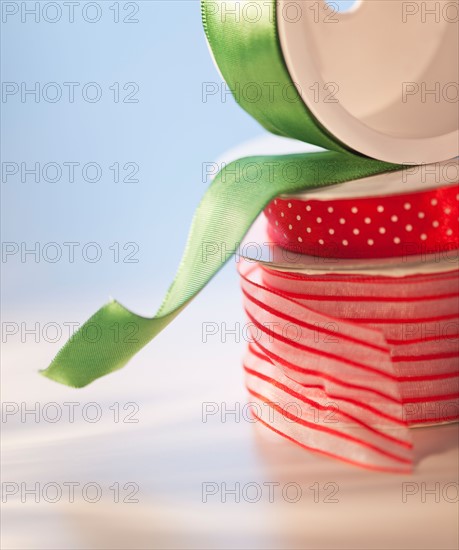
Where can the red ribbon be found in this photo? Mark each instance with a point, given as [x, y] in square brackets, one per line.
[422, 222]
[346, 363]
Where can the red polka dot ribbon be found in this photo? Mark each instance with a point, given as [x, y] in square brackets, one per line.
[423, 222]
[343, 364]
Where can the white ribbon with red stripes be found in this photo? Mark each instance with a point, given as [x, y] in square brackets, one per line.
[345, 363]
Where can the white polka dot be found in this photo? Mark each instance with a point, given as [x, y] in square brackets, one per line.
[308, 230]
[277, 223]
[345, 243]
[436, 223]
[394, 218]
[321, 241]
[409, 227]
[342, 221]
[449, 232]
[382, 230]
[396, 240]
[354, 210]
[282, 214]
[275, 202]
[331, 231]
[300, 240]
[308, 208]
[355, 231]
[330, 209]
[290, 227]
[434, 202]
[298, 217]
[319, 220]
[407, 206]
[285, 236]
[447, 211]
[380, 208]
[457, 197]
[423, 237]
[421, 215]
[289, 205]
[367, 220]
[370, 242]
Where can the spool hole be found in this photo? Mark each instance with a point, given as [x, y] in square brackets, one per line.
[343, 6]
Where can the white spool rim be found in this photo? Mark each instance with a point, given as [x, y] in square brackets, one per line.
[373, 53]
[257, 247]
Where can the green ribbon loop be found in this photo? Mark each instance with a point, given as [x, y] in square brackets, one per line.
[245, 53]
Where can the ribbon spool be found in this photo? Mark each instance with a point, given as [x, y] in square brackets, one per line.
[350, 352]
[371, 218]
[395, 100]
[346, 362]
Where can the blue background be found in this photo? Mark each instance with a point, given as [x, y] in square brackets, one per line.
[169, 133]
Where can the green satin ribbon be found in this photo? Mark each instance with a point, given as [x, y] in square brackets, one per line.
[230, 205]
[246, 48]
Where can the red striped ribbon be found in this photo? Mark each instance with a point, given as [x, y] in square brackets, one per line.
[422, 222]
[346, 363]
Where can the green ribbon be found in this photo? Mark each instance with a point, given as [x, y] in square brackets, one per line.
[248, 53]
[245, 52]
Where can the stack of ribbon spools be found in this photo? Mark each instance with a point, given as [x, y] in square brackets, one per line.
[354, 316]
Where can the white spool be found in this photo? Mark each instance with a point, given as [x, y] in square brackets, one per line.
[392, 66]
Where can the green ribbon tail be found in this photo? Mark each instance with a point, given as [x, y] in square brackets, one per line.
[225, 214]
